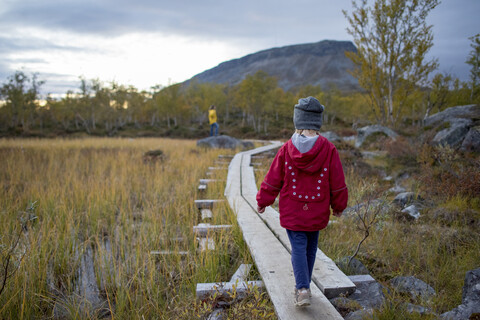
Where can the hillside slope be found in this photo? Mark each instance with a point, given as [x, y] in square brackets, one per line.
[322, 63]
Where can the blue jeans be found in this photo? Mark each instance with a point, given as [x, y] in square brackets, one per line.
[304, 249]
[214, 125]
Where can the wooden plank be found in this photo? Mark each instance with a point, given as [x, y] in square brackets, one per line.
[206, 203]
[205, 244]
[221, 156]
[217, 168]
[241, 273]
[223, 163]
[206, 213]
[207, 181]
[361, 278]
[168, 252]
[202, 188]
[203, 229]
[204, 290]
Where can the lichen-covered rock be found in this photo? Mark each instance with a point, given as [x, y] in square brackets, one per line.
[470, 298]
[369, 295]
[364, 132]
[412, 286]
[359, 315]
[455, 134]
[412, 212]
[467, 112]
[471, 142]
[404, 198]
[355, 266]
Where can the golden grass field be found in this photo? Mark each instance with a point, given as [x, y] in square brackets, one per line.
[87, 214]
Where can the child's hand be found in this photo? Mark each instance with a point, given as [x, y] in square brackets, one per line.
[337, 213]
[260, 210]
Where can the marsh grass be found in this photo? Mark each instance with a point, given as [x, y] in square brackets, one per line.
[100, 198]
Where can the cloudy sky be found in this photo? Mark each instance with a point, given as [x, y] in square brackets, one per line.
[156, 42]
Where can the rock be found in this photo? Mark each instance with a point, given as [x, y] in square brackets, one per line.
[355, 266]
[412, 286]
[413, 308]
[364, 132]
[470, 298]
[331, 136]
[471, 288]
[224, 142]
[471, 142]
[369, 295]
[359, 315]
[349, 138]
[454, 135]
[397, 189]
[404, 198]
[468, 111]
[372, 205]
[412, 211]
[373, 154]
[345, 305]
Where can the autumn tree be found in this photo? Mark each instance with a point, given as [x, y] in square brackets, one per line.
[474, 61]
[21, 94]
[254, 95]
[437, 96]
[392, 40]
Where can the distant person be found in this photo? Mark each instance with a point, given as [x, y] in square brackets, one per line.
[212, 118]
[308, 174]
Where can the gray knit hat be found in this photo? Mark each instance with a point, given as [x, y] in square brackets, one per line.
[307, 114]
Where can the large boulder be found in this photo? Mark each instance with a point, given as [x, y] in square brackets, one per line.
[462, 122]
[224, 142]
[364, 132]
[470, 298]
[369, 295]
[413, 287]
[471, 111]
[453, 135]
[472, 140]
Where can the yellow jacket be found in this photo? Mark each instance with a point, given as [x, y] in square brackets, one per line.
[212, 116]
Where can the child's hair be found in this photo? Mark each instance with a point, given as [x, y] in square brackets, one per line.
[212, 107]
[300, 131]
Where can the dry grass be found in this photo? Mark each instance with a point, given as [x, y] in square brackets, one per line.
[100, 197]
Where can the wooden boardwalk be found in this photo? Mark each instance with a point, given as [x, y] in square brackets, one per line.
[270, 248]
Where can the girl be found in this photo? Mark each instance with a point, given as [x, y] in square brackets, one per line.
[308, 174]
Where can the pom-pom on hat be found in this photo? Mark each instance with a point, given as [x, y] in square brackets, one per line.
[307, 114]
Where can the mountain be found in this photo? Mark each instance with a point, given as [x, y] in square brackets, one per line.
[321, 63]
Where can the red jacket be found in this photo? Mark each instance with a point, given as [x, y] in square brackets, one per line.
[308, 183]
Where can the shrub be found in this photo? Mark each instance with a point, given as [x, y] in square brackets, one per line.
[445, 173]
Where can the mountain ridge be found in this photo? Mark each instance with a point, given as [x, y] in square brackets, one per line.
[320, 63]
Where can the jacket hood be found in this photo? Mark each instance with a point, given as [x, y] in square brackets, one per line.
[312, 160]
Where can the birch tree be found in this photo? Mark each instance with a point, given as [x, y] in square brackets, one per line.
[392, 40]
[474, 61]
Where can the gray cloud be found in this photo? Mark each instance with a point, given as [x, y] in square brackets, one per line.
[252, 23]
[210, 18]
[17, 44]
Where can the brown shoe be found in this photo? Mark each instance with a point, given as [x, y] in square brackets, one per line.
[302, 297]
